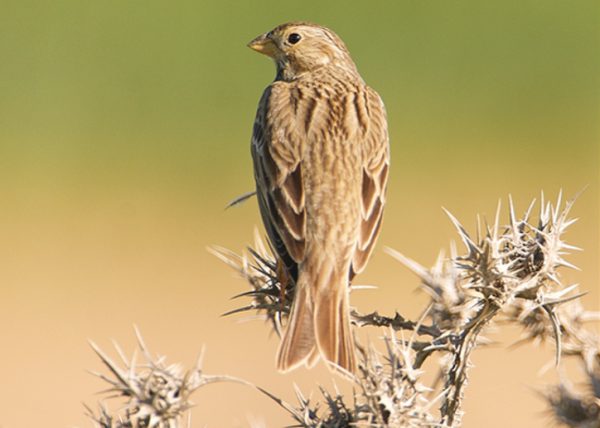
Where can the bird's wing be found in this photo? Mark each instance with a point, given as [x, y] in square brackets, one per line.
[376, 161]
[277, 151]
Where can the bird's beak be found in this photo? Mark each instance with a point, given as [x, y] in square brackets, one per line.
[264, 45]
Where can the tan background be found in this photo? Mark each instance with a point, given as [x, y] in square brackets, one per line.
[124, 130]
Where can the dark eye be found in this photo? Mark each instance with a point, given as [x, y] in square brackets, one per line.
[294, 38]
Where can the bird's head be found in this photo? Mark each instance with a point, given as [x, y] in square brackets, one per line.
[302, 47]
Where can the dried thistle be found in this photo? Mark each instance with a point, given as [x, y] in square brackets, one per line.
[518, 262]
[259, 268]
[157, 394]
[511, 270]
[336, 415]
[389, 394]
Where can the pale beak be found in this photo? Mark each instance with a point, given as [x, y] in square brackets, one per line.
[264, 45]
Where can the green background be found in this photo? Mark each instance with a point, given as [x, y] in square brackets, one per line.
[124, 131]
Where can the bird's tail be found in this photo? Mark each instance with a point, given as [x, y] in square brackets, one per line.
[298, 342]
[333, 332]
[319, 323]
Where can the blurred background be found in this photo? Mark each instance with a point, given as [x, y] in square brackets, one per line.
[124, 132]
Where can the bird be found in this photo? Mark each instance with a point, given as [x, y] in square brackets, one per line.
[321, 156]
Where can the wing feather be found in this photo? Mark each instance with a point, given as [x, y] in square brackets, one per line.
[277, 151]
[376, 158]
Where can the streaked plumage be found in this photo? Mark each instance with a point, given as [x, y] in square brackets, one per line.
[321, 156]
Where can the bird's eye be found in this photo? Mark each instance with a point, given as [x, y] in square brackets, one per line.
[294, 38]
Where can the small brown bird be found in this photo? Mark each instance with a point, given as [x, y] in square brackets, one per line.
[321, 155]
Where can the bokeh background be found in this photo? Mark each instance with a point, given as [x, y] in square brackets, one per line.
[124, 131]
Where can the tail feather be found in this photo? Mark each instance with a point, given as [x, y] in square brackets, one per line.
[298, 344]
[332, 327]
[319, 324]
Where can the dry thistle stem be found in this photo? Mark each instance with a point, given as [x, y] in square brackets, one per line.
[157, 394]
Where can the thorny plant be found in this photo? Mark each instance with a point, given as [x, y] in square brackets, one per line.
[507, 273]
[390, 394]
[157, 394]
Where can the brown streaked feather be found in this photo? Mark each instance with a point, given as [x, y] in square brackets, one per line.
[368, 227]
[298, 344]
[369, 193]
[293, 221]
[376, 159]
[278, 174]
[333, 333]
[285, 253]
[292, 190]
